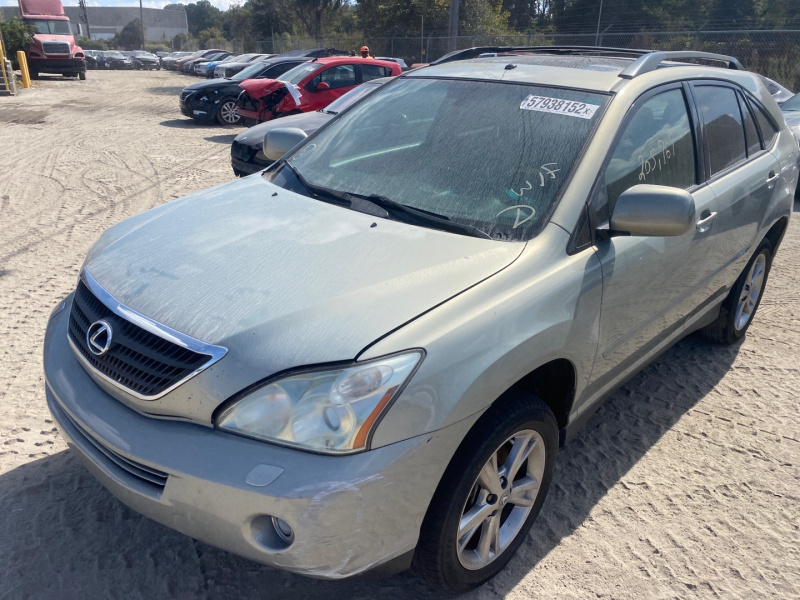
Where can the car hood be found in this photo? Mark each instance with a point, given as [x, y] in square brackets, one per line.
[258, 88]
[283, 280]
[212, 84]
[308, 122]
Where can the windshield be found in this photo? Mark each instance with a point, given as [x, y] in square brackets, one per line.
[250, 72]
[299, 73]
[338, 105]
[792, 103]
[114, 54]
[51, 27]
[486, 155]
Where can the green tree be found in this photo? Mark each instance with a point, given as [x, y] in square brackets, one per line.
[16, 37]
[130, 38]
[211, 37]
[202, 15]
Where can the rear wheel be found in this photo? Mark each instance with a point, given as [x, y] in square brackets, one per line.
[739, 308]
[228, 114]
[489, 496]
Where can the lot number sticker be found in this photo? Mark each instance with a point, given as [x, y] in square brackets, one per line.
[570, 108]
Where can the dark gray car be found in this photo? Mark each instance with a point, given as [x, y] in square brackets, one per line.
[247, 149]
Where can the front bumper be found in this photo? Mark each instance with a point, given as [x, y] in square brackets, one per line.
[194, 108]
[57, 65]
[349, 513]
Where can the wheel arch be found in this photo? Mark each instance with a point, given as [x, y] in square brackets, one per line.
[776, 233]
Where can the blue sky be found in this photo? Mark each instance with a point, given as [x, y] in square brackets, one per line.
[221, 4]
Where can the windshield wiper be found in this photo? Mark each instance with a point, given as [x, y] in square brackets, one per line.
[383, 207]
[417, 215]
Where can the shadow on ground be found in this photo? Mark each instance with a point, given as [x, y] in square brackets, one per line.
[169, 90]
[65, 536]
[188, 123]
[221, 139]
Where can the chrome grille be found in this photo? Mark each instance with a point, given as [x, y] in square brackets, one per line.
[56, 48]
[138, 360]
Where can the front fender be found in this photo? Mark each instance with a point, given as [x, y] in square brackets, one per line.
[542, 307]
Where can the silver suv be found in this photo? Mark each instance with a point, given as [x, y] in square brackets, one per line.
[370, 353]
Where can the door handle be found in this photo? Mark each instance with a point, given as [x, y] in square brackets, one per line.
[771, 179]
[704, 224]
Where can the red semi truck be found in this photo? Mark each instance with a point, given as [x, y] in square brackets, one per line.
[53, 49]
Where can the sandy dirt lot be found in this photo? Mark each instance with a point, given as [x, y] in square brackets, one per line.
[686, 484]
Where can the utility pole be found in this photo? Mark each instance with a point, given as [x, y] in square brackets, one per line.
[453, 25]
[141, 21]
[599, 15]
[422, 40]
[82, 5]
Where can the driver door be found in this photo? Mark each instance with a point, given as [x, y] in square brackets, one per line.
[652, 284]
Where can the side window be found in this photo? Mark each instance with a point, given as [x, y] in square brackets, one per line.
[277, 70]
[656, 147]
[336, 77]
[750, 131]
[719, 110]
[370, 72]
[768, 131]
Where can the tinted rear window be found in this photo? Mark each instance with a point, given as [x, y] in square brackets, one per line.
[719, 110]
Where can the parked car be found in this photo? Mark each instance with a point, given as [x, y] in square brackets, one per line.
[114, 59]
[248, 154]
[216, 99]
[309, 87]
[144, 60]
[399, 61]
[230, 69]
[169, 62]
[208, 68]
[369, 355]
[188, 66]
[195, 56]
[201, 67]
[779, 92]
[91, 58]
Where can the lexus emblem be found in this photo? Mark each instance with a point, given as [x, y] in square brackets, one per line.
[98, 337]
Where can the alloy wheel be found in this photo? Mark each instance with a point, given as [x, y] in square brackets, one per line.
[501, 499]
[229, 113]
[751, 291]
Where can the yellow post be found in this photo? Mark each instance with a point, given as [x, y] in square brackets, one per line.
[3, 67]
[23, 69]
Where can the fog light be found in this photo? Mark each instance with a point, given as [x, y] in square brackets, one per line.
[283, 529]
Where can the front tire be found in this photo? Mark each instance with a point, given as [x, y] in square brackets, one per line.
[82, 76]
[228, 114]
[737, 311]
[489, 496]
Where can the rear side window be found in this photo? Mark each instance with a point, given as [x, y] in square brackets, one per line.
[768, 131]
[277, 70]
[750, 131]
[719, 110]
[370, 72]
[336, 77]
[656, 147]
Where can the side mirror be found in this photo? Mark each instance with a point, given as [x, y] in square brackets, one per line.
[323, 85]
[279, 141]
[653, 210]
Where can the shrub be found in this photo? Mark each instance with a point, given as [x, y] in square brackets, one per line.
[15, 37]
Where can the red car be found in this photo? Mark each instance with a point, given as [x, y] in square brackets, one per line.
[308, 87]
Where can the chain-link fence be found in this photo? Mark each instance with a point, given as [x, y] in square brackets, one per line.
[775, 54]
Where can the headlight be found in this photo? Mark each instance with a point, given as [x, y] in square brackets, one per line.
[332, 410]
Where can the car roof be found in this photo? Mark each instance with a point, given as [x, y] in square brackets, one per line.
[334, 60]
[588, 72]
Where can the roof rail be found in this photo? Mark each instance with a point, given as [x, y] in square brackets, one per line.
[566, 50]
[646, 60]
[651, 61]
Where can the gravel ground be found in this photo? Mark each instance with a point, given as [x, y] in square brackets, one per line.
[685, 484]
